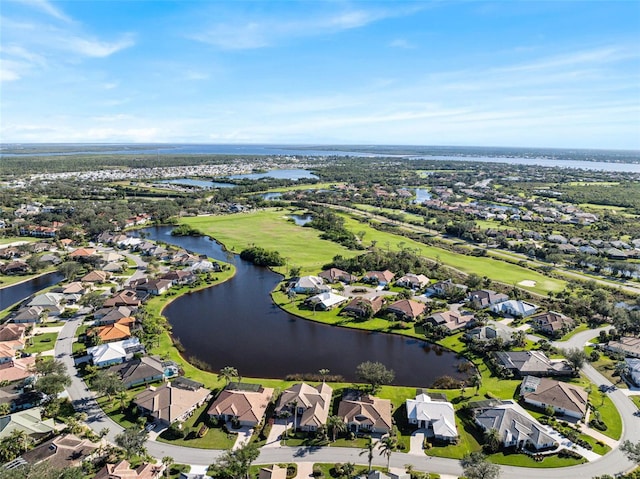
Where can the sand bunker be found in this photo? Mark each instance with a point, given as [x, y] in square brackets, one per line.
[527, 282]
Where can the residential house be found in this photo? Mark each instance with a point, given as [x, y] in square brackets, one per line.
[489, 333]
[483, 298]
[451, 319]
[365, 413]
[118, 331]
[8, 350]
[154, 287]
[406, 309]
[381, 278]
[533, 363]
[326, 301]
[627, 345]
[310, 285]
[335, 275]
[126, 297]
[515, 308]
[111, 315]
[309, 404]
[18, 398]
[144, 370]
[75, 288]
[374, 474]
[363, 307]
[33, 314]
[180, 277]
[12, 332]
[436, 416]
[96, 276]
[272, 472]
[14, 267]
[244, 403]
[204, 266]
[82, 253]
[17, 369]
[122, 470]
[412, 281]
[50, 258]
[108, 354]
[172, 401]
[552, 323]
[28, 421]
[62, 451]
[564, 398]
[446, 288]
[47, 301]
[633, 365]
[515, 427]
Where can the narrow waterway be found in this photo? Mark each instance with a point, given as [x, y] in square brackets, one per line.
[237, 324]
[12, 294]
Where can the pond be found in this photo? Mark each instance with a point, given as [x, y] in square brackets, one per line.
[292, 174]
[206, 184]
[422, 195]
[237, 324]
[302, 220]
[18, 292]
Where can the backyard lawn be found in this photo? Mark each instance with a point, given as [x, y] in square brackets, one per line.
[41, 342]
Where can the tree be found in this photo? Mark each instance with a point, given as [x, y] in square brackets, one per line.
[167, 461]
[374, 373]
[69, 269]
[387, 445]
[323, 372]
[337, 425]
[576, 357]
[368, 449]
[476, 466]
[631, 450]
[107, 383]
[228, 373]
[5, 409]
[52, 384]
[492, 440]
[235, 464]
[475, 381]
[132, 440]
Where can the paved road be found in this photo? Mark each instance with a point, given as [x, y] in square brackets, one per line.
[612, 463]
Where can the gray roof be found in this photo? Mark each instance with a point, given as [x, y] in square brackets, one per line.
[532, 362]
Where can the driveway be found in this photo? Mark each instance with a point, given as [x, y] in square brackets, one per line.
[244, 436]
[277, 430]
[416, 442]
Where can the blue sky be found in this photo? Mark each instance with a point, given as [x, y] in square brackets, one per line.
[547, 74]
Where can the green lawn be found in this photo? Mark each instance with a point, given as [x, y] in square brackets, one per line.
[10, 280]
[41, 342]
[215, 438]
[12, 239]
[523, 460]
[579, 329]
[636, 400]
[125, 417]
[270, 229]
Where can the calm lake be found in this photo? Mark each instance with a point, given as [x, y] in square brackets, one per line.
[236, 324]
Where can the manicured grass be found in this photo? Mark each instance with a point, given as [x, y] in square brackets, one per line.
[11, 279]
[468, 442]
[13, 239]
[125, 417]
[579, 329]
[270, 229]
[52, 324]
[497, 270]
[407, 217]
[636, 400]
[328, 468]
[523, 460]
[41, 342]
[610, 416]
[215, 438]
[76, 347]
[314, 186]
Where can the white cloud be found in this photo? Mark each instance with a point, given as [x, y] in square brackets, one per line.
[48, 8]
[93, 48]
[401, 43]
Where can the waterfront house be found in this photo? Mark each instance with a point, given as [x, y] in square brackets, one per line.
[126, 297]
[335, 275]
[180, 277]
[533, 363]
[363, 307]
[244, 403]
[365, 413]
[451, 319]
[436, 416]
[309, 404]
[325, 301]
[406, 309]
[144, 370]
[96, 276]
[111, 315]
[32, 315]
[172, 401]
[488, 333]
[104, 355]
[154, 287]
[310, 285]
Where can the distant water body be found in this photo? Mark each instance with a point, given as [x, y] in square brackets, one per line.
[280, 150]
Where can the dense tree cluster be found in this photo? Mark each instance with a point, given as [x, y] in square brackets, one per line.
[262, 257]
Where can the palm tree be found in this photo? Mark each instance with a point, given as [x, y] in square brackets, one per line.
[348, 469]
[294, 406]
[621, 369]
[368, 449]
[167, 461]
[337, 425]
[475, 381]
[387, 445]
[227, 373]
[492, 439]
[122, 396]
[323, 372]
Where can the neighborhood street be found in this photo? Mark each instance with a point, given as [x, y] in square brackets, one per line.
[614, 462]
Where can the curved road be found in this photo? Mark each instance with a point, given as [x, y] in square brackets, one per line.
[614, 462]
